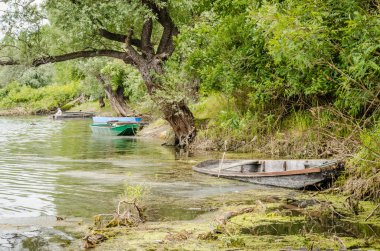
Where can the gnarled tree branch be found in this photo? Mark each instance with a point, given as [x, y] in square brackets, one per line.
[146, 34]
[166, 45]
[132, 53]
[9, 62]
[118, 37]
[73, 55]
[80, 54]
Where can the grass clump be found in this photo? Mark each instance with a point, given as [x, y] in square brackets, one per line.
[363, 172]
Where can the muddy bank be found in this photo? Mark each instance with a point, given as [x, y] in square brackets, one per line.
[15, 112]
[41, 233]
[251, 221]
[159, 129]
[84, 107]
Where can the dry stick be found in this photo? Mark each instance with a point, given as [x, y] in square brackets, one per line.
[335, 237]
[363, 120]
[372, 213]
[221, 161]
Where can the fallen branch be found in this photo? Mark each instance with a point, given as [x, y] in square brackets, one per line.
[223, 220]
[372, 213]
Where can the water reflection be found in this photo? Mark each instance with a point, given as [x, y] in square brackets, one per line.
[59, 168]
[27, 181]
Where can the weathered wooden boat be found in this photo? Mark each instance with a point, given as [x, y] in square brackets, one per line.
[116, 129]
[104, 120]
[74, 115]
[295, 174]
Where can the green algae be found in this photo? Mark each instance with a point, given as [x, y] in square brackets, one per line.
[367, 211]
[279, 219]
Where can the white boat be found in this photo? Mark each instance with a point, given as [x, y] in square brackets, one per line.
[282, 173]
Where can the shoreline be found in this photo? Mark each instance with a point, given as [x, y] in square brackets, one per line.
[245, 220]
[252, 226]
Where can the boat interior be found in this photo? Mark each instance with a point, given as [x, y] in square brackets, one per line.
[250, 166]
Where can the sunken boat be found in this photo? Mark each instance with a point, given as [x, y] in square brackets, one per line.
[296, 174]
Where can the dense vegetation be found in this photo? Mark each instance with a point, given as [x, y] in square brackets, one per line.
[289, 77]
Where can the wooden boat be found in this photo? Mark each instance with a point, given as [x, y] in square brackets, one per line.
[282, 173]
[116, 129]
[74, 115]
[104, 120]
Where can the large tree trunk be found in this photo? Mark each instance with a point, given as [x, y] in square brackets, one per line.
[116, 97]
[181, 120]
[117, 100]
[177, 113]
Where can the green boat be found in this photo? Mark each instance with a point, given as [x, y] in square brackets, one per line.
[115, 129]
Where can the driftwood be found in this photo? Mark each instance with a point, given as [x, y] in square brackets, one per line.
[130, 216]
[91, 240]
[223, 220]
[79, 100]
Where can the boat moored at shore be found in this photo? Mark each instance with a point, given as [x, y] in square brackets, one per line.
[294, 174]
[116, 129]
[104, 120]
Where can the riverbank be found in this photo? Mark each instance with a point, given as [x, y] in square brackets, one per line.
[251, 221]
[318, 133]
[83, 160]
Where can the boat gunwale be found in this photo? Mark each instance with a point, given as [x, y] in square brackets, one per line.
[111, 126]
[325, 168]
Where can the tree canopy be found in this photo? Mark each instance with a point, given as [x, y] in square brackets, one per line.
[140, 33]
[267, 57]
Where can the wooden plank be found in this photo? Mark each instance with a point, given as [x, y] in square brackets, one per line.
[245, 162]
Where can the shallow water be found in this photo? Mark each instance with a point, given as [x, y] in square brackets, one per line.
[58, 168]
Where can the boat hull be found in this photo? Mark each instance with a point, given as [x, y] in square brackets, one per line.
[294, 178]
[110, 130]
[105, 120]
[74, 115]
[297, 181]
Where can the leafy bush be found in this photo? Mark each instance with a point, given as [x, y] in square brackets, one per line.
[33, 100]
[37, 77]
[290, 54]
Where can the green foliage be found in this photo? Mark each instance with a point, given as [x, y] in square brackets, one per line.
[37, 77]
[290, 53]
[115, 74]
[134, 193]
[370, 152]
[281, 66]
[34, 100]
[120, 74]
[10, 74]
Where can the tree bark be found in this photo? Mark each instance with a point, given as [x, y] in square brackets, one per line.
[177, 113]
[116, 97]
[181, 120]
[101, 102]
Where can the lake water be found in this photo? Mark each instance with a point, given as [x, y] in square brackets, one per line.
[58, 168]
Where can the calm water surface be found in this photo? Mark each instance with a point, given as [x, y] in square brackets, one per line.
[58, 168]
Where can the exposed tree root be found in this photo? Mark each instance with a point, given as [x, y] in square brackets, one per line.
[223, 220]
[128, 214]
